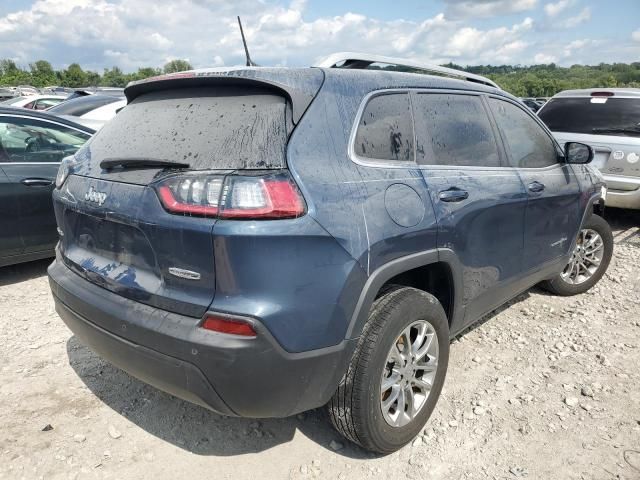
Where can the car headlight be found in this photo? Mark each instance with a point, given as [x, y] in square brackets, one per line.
[64, 170]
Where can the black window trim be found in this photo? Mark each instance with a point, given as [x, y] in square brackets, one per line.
[368, 162]
[52, 122]
[508, 164]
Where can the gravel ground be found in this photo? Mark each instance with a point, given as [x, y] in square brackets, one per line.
[544, 388]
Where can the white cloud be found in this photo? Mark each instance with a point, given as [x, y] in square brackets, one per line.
[128, 34]
[544, 58]
[487, 8]
[636, 35]
[553, 9]
[582, 17]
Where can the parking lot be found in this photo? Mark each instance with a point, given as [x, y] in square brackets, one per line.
[546, 387]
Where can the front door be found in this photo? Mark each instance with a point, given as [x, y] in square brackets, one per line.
[553, 215]
[479, 201]
[10, 239]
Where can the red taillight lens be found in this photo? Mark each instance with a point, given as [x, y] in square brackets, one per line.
[259, 196]
[602, 94]
[228, 325]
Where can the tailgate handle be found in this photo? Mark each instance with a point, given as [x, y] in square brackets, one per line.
[453, 194]
[536, 187]
[36, 182]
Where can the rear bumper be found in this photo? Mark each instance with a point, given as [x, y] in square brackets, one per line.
[623, 192]
[227, 374]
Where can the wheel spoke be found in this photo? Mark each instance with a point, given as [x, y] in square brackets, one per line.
[420, 339]
[426, 367]
[390, 400]
[390, 381]
[423, 384]
[424, 349]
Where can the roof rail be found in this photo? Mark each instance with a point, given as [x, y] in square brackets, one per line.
[364, 60]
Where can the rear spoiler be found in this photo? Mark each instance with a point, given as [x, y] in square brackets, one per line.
[299, 86]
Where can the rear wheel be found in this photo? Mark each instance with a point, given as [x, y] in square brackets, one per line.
[396, 374]
[589, 259]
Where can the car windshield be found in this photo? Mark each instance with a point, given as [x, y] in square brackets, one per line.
[593, 115]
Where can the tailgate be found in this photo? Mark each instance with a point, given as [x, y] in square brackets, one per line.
[121, 239]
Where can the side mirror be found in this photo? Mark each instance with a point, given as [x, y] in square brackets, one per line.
[578, 153]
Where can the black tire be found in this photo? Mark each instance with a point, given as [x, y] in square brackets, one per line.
[355, 409]
[559, 286]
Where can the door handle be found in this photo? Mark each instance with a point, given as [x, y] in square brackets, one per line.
[36, 182]
[535, 187]
[453, 194]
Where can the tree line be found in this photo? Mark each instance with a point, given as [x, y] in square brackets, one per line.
[522, 81]
[41, 74]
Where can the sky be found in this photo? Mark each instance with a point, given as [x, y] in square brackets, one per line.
[139, 33]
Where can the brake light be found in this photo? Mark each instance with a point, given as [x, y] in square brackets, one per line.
[602, 94]
[260, 196]
[229, 326]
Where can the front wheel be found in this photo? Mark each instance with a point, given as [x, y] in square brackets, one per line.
[396, 374]
[589, 259]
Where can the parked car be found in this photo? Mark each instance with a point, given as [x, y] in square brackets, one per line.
[33, 102]
[266, 241]
[31, 147]
[83, 92]
[7, 93]
[531, 103]
[92, 111]
[607, 119]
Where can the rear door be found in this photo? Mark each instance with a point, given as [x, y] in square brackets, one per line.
[479, 202]
[553, 214]
[33, 149]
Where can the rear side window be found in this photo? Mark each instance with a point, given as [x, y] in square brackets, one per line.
[454, 130]
[598, 115]
[385, 131]
[207, 128]
[527, 143]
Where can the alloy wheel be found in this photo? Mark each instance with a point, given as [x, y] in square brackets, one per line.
[585, 258]
[409, 373]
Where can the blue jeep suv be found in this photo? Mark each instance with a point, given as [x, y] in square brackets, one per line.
[265, 241]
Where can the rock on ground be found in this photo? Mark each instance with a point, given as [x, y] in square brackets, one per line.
[502, 414]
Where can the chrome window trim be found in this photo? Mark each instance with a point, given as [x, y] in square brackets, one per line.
[371, 162]
[367, 162]
[53, 122]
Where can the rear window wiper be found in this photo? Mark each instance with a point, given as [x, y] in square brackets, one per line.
[140, 163]
[630, 129]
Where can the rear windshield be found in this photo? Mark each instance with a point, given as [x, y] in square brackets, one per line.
[616, 116]
[80, 105]
[223, 128]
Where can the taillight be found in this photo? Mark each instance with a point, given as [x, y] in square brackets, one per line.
[257, 196]
[230, 326]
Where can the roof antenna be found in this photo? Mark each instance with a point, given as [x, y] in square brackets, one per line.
[246, 49]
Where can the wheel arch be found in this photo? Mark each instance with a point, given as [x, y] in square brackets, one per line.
[418, 270]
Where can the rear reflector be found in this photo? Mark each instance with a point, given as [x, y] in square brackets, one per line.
[258, 196]
[228, 326]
